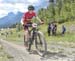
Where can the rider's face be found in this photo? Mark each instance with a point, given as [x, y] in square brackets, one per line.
[31, 11]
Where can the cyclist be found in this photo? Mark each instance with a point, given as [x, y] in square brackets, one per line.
[26, 20]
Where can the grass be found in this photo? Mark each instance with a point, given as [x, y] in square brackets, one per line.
[17, 37]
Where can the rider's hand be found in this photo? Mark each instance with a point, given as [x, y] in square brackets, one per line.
[23, 24]
[42, 22]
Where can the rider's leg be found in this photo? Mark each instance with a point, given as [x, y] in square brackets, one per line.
[28, 41]
[26, 36]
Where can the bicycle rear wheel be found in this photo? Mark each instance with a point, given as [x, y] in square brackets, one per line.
[40, 43]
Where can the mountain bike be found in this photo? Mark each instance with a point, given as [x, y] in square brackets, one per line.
[38, 40]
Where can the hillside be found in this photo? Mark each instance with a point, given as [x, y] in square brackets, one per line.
[10, 19]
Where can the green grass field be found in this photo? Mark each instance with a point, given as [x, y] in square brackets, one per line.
[17, 37]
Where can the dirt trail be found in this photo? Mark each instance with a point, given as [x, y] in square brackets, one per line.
[20, 54]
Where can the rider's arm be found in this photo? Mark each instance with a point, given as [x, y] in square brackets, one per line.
[22, 21]
[38, 19]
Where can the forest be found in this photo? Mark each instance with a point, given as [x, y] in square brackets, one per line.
[59, 11]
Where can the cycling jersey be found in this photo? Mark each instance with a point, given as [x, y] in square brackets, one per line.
[27, 16]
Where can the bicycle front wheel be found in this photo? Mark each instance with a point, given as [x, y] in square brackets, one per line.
[40, 43]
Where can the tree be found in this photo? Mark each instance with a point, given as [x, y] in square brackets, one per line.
[51, 0]
[59, 10]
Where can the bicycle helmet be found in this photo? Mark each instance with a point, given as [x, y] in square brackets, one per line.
[30, 7]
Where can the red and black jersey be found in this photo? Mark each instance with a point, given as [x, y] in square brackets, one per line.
[28, 15]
